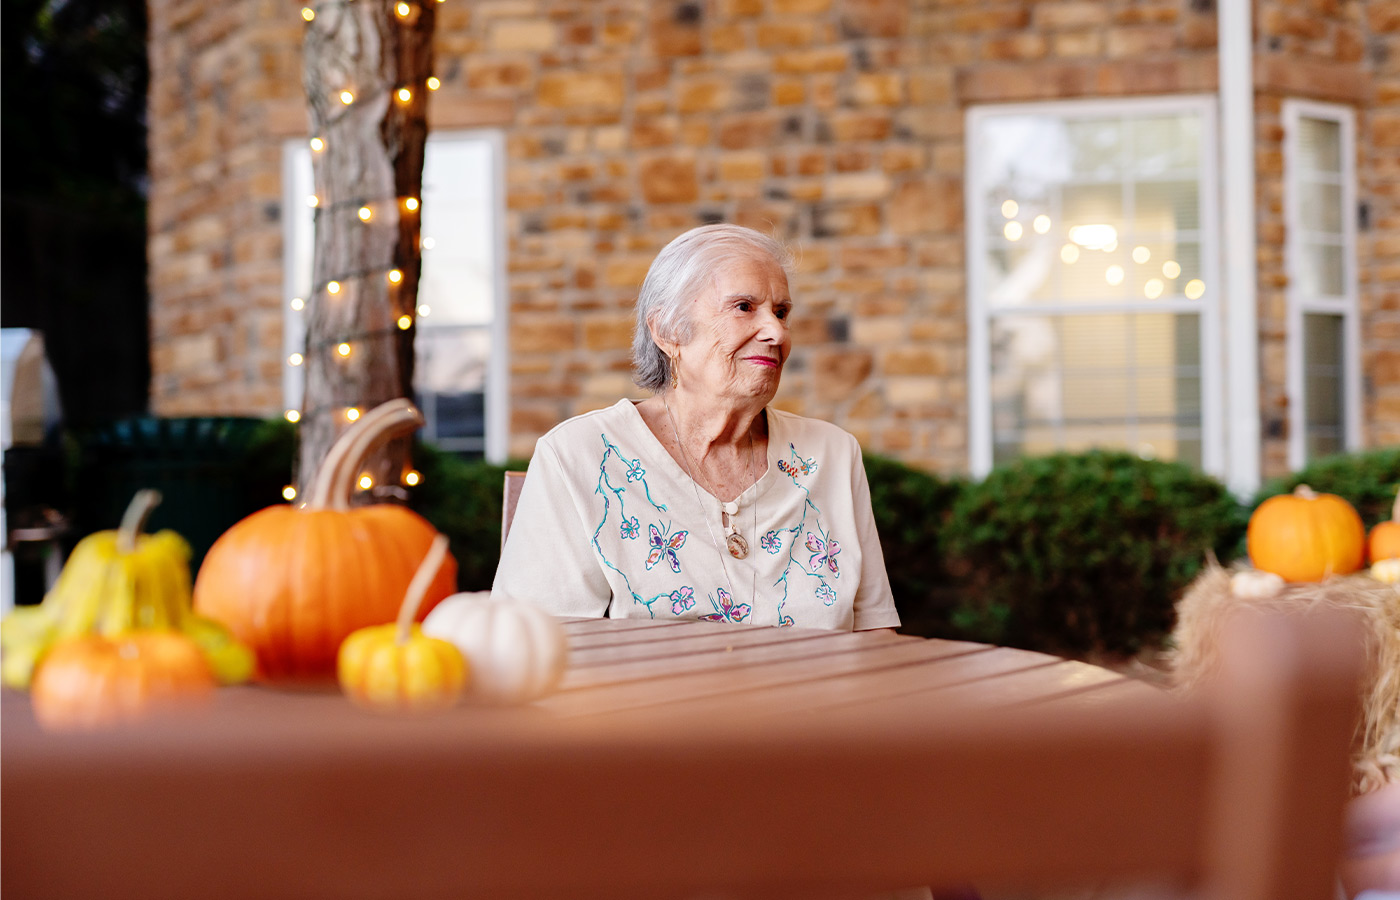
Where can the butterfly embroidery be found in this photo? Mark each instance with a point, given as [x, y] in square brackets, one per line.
[726, 610]
[823, 553]
[667, 548]
[682, 600]
[799, 466]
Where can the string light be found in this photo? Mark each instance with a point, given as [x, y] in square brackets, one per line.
[395, 276]
[1153, 289]
[412, 478]
[1171, 268]
[1195, 289]
[1041, 224]
[405, 95]
[433, 82]
[295, 359]
[351, 414]
[292, 416]
[343, 349]
[298, 303]
[1070, 254]
[289, 493]
[1141, 254]
[347, 97]
[424, 309]
[410, 204]
[318, 145]
[308, 13]
[402, 9]
[365, 214]
[1009, 209]
[1012, 231]
[366, 482]
[1114, 275]
[313, 200]
[332, 287]
[427, 243]
[405, 323]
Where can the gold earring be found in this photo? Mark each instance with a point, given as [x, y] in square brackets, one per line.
[675, 380]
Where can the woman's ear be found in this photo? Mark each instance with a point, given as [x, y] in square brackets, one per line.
[667, 347]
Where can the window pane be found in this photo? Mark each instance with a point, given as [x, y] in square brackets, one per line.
[1323, 401]
[1165, 143]
[1320, 207]
[1319, 145]
[1320, 272]
[1166, 207]
[1073, 382]
[1096, 146]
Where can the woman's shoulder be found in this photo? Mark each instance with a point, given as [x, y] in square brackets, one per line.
[793, 428]
[587, 427]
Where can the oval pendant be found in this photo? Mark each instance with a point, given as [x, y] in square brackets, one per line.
[738, 547]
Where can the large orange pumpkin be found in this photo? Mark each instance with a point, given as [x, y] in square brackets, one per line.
[292, 583]
[93, 681]
[1306, 536]
[1385, 537]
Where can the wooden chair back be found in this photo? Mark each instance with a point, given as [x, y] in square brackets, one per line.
[514, 481]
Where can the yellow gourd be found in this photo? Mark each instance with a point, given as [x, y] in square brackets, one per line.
[397, 668]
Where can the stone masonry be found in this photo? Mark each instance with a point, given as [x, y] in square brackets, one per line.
[837, 125]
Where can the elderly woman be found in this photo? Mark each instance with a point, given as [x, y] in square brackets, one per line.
[702, 501]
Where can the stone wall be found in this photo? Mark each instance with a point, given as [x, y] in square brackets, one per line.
[835, 124]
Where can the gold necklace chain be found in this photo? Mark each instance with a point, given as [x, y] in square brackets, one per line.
[691, 472]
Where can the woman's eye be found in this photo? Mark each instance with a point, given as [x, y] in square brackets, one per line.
[782, 312]
[744, 306]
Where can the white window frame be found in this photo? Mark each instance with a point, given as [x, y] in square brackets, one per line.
[980, 314]
[1345, 306]
[297, 238]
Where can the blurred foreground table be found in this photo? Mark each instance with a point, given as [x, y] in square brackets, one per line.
[678, 759]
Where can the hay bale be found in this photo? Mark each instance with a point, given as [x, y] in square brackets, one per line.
[1204, 607]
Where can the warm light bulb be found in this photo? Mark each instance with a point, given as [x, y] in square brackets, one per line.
[1013, 231]
[1141, 255]
[308, 14]
[424, 310]
[1153, 289]
[405, 323]
[395, 276]
[298, 303]
[347, 98]
[295, 359]
[1070, 254]
[1171, 268]
[318, 145]
[1114, 275]
[1010, 208]
[366, 482]
[1041, 224]
[289, 493]
[332, 287]
[292, 415]
[411, 204]
[428, 243]
[402, 9]
[405, 95]
[313, 200]
[1195, 288]
[343, 349]
[351, 414]
[412, 478]
[365, 214]
[433, 82]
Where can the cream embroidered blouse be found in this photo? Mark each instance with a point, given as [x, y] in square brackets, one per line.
[609, 524]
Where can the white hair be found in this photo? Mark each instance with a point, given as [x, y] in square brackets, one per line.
[680, 271]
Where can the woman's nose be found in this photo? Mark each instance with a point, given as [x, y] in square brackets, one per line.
[771, 328]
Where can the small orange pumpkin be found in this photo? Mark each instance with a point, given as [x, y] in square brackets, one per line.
[93, 681]
[1306, 536]
[293, 583]
[1384, 542]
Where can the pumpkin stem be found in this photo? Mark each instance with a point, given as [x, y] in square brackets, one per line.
[1305, 492]
[418, 587]
[134, 519]
[336, 479]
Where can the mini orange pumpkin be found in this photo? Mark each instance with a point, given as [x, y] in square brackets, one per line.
[293, 583]
[92, 681]
[1384, 542]
[1306, 536]
[398, 668]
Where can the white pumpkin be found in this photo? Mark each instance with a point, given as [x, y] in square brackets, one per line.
[517, 652]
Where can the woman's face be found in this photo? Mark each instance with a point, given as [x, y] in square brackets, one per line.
[739, 336]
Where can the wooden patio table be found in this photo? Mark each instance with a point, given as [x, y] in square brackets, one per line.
[678, 759]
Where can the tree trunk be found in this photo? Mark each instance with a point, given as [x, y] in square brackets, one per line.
[365, 270]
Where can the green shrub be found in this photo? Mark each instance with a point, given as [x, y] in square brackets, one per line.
[462, 498]
[1367, 480]
[911, 509]
[1087, 552]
